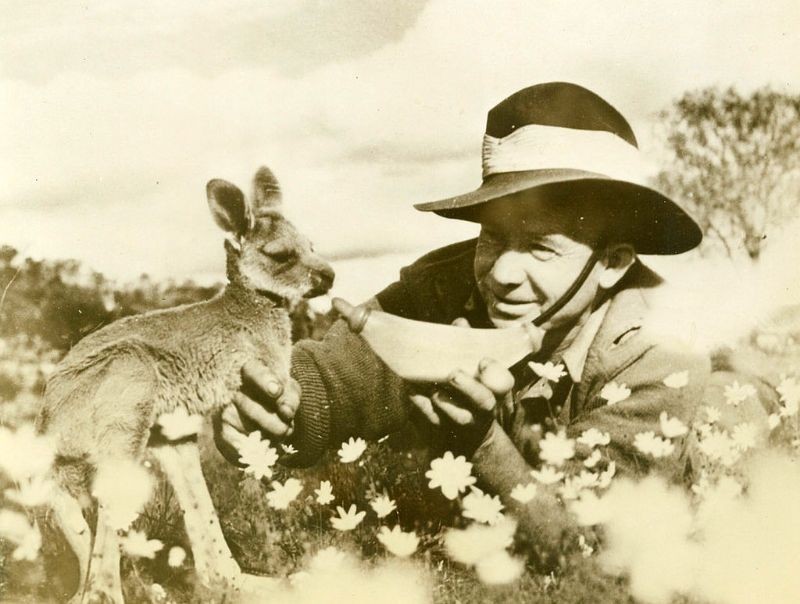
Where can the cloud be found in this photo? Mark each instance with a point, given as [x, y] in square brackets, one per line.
[107, 149]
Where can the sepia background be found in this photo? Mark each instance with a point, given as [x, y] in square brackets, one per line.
[114, 115]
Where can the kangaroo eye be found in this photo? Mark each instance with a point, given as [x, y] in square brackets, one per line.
[279, 256]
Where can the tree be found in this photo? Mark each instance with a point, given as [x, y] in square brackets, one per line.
[734, 161]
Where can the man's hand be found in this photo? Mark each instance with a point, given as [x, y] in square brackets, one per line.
[263, 403]
[465, 407]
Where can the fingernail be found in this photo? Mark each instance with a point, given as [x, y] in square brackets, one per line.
[456, 376]
[273, 388]
[483, 364]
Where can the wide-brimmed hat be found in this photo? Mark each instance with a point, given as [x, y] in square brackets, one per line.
[559, 135]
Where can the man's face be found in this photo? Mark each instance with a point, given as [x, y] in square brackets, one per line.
[529, 252]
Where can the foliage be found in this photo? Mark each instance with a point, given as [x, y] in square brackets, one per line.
[735, 161]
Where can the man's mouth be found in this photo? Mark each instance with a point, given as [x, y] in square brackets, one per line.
[513, 308]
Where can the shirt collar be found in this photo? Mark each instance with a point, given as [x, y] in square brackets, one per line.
[574, 356]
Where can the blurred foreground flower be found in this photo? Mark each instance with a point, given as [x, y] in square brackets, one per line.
[593, 459]
[24, 454]
[15, 528]
[122, 488]
[137, 545]
[555, 449]
[451, 474]
[347, 521]
[677, 380]
[328, 558]
[283, 494]
[257, 455]
[324, 493]
[482, 507]
[614, 393]
[594, 438]
[179, 424]
[352, 450]
[399, 543]
[524, 493]
[383, 505]
[32, 492]
[484, 547]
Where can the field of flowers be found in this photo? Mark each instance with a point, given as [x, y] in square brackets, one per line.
[377, 522]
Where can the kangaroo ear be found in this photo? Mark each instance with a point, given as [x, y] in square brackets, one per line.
[266, 190]
[228, 207]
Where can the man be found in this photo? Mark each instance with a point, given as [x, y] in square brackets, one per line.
[561, 193]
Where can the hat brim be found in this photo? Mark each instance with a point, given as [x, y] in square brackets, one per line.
[641, 216]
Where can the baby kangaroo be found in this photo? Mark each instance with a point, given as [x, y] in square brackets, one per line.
[107, 394]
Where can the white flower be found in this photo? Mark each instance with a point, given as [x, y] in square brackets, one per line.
[451, 474]
[16, 528]
[32, 491]
[158, 593]
[347, 521]
[614, 393]
[352, 450]
[477, 541]
[499, 568]
[136, 544]
[24, 454]
[524, 493]
[257, 455]
[650, 444]
[324, 493]
[594, 438]
[671, 427]
[176, 556]
[555, 449]
[586, 549]
[590, 510]
[547, 475]
[482, 507]
[773, 421]
[605, 477]
[789, 389]
[179, 424]
[593, 459]
[283, 494]
[122, 488]
[720, 447]
[548, 371]
[678, 379]
[736, 393]
[575, 485]
[383, 506]
[399, 543]
[288, 449]
[744, 435]
[328, 559]
[713, 414]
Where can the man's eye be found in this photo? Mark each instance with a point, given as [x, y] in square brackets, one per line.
[542, 251]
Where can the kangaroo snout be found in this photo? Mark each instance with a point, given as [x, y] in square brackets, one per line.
[321, 281]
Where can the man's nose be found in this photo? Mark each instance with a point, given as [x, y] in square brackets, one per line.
[508, 269]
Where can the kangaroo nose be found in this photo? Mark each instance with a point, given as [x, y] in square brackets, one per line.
[321, 280]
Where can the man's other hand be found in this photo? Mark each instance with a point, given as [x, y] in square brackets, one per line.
[263, 403]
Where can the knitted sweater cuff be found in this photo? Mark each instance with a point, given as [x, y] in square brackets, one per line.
[312, 421]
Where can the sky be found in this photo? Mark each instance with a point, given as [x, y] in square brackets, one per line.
[115, 114]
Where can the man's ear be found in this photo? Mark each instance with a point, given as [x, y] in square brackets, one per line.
[618, 258]
[228, 207]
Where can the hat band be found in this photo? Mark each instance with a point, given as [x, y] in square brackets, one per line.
[537, 147]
